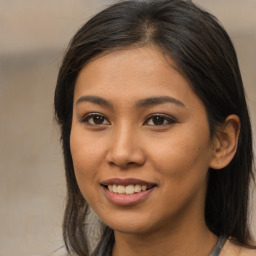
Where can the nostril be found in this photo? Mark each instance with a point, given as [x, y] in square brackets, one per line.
[124, 165]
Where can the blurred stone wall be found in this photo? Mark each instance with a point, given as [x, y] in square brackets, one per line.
[33, 37]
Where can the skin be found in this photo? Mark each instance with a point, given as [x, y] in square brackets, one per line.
[127, 143]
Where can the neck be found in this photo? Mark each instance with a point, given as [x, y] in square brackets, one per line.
[190, 239]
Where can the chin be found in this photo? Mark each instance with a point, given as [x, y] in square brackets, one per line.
[134, 228]
[130, 224]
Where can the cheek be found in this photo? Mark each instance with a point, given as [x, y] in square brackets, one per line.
[182, 155]
[86, 161]
[183, 167]
[85, 151]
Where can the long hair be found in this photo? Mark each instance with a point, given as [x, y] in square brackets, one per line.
[206, 58]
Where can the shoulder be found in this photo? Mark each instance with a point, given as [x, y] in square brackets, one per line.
[232, 249]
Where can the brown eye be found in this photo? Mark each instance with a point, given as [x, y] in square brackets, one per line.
[98, 119]
[159, 119]
[95, 119]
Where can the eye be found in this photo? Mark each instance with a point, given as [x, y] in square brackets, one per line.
[95, 119]
[159, 119]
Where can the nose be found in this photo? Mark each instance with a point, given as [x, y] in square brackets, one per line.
[125, 149]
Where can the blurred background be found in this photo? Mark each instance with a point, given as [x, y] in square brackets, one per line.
[33, 38]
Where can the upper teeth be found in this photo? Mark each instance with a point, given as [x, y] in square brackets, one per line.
[130, 189]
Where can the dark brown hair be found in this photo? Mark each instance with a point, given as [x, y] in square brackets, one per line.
[204, 53]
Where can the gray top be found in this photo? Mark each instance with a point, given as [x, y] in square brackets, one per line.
[215, 251]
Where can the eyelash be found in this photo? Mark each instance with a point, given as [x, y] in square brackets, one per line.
[89, 116]
[167, 120]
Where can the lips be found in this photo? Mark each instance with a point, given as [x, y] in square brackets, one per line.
[127, 191]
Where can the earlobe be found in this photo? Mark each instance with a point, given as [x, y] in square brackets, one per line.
[225, 142]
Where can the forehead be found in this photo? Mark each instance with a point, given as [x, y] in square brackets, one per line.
[144, 70]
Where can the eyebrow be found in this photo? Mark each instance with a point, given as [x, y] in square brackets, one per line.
[95, 100]
[141, 103]
[158, 100]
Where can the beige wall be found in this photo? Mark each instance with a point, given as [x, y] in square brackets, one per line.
[33, 35]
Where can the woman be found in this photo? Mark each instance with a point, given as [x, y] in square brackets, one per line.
[155, 132]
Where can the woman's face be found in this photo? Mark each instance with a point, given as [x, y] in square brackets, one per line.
[140, 142]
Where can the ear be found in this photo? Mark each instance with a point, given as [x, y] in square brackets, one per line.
[225, 142]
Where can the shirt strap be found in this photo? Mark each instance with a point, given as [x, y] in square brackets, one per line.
[217, 248]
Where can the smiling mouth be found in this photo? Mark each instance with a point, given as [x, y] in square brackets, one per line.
[128, 190]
